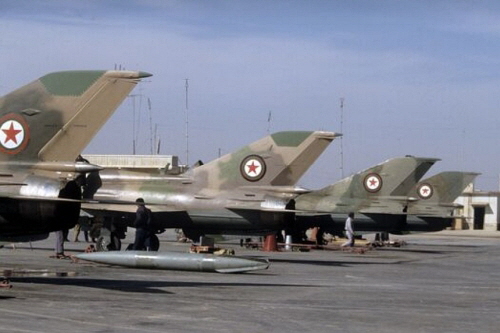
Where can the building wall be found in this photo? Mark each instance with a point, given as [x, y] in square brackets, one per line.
[489, 200]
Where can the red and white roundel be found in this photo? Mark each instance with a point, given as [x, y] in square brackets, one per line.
[14, 134]
[253, 168]
[373, 182]
[425, 191]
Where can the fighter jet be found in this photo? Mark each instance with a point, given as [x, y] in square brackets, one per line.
[430, 206]
[434, 208]
[378, 196]
[387, 198]
[44, 126]
[245, 192]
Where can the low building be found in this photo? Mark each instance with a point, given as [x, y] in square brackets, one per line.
[480, 210]
[168, 163]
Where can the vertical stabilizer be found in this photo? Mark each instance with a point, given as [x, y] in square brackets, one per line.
[56, 116]
[278, 159]
[393, 178]
[436, 194]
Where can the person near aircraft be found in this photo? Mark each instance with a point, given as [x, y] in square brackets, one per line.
[76, 232]
[83, 225]
[349, 231]
[141, 225]
[59, 246]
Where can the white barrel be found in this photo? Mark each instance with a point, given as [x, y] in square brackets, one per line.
[288, 242]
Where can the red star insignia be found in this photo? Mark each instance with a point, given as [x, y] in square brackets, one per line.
[11, 133]
[373, 182]
[425, 190]
[252, 167]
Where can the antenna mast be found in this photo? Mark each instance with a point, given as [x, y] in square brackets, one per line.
[187, 124]
[150, 127]
[269, 122]
[133, 96]
[341, 141]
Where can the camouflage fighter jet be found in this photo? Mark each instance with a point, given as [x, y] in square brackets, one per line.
[430, 205]
[245, 192]
[44, 126]
[378, 196]
[434, 208]
[387, 198]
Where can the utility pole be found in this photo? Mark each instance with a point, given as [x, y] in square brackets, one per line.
[269, 122]
[133, 96]
[150, 128]
[187, 124]
[341, 138]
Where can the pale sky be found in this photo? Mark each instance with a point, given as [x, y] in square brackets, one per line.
[418, 77]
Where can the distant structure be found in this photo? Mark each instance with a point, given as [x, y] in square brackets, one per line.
[168, 164]
[480, 210]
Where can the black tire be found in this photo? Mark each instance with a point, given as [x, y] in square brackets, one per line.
[116, 243]
[192, 234]
[152, 243]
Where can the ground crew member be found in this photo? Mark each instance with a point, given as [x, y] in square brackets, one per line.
[141, 225]
[349, 231]
[59, 247]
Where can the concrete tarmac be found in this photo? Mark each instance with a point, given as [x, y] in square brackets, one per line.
[440, 282]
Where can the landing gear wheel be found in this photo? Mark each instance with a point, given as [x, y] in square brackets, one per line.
[192, 235]
[153, 243]
[116, 243]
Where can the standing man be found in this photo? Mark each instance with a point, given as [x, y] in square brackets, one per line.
[59, 247]
[349, 230]
[141, 225]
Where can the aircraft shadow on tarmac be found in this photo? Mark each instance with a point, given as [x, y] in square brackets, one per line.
[369, 261]
[423, 251]
[138, 286]
[449, 249]
[7, 297]
[366, 261]
[312, 262]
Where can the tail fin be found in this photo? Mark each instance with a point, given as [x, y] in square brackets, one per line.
[392, 179]
[56, 116]
[438, 193]
[279, 160]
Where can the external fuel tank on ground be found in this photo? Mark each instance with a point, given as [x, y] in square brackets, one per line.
[177, 261]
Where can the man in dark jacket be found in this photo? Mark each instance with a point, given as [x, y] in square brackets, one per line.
[141, 225]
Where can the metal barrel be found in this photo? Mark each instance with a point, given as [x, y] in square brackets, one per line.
[177, 261]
